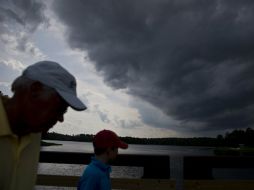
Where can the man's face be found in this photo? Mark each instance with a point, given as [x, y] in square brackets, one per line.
[43, 112]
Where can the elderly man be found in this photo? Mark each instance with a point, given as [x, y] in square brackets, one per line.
[41, 97]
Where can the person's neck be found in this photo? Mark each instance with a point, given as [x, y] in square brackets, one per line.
[103, 158]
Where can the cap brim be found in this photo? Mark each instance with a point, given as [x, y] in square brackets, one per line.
[122, 145]
[72, 100]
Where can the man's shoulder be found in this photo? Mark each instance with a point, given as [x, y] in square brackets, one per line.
[92, 171]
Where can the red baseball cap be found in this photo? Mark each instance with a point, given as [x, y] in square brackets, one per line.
[107, 138]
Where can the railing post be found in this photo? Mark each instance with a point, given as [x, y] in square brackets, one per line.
[177, 171]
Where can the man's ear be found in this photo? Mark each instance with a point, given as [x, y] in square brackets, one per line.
[108, 151]
[36, 89]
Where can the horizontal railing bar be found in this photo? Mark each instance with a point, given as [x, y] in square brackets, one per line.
[57, 180]
[151, 184]
[200, 167]
[147, 184]
[218, 184]
[221, 161]
[85, 158]
[117, 183]
[155, 166]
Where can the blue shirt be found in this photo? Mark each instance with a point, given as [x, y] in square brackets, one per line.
[96, 176]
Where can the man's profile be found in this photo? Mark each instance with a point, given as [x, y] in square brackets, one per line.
[41, 96]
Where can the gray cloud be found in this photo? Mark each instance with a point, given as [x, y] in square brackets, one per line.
[102, 114]
[153, 116]
[114, 120]
[191, 59]
[19, 19]
[8, 72]
[28, 13]
[5, 88]
[126, 123]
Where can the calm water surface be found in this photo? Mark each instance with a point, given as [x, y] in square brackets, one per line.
[87, 147]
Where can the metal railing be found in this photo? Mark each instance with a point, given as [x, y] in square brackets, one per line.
[197, 171]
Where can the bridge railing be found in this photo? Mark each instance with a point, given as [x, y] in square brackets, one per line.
[197, 172]
[156, 170]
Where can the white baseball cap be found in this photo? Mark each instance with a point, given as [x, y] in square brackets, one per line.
[55, 76]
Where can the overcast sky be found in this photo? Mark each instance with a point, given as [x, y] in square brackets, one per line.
[146, 68]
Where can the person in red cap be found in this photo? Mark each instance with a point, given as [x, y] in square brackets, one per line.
[97, 174]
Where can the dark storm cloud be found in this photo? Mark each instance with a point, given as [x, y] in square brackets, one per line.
[193, 59]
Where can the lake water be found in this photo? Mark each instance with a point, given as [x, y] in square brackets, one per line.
[87, 147]
[175, 152]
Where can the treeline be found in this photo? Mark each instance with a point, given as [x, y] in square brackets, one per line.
[62, 137]
[237, 137]
[233, 139]
[198, 141]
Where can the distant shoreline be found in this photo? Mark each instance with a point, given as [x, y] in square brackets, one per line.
[218, 151]
[195, 141]
[43, 143]
[229, 151]
[234, 139]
